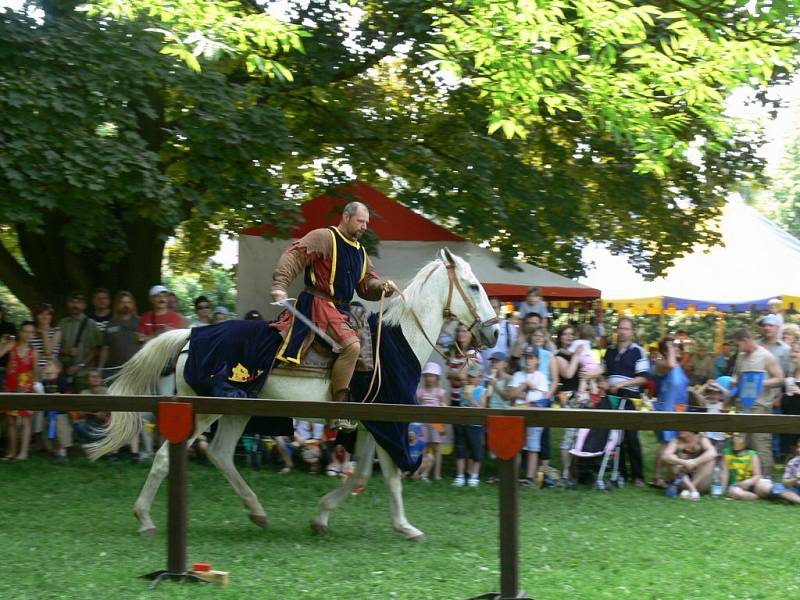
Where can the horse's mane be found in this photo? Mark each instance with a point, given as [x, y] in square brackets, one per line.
[414, 294]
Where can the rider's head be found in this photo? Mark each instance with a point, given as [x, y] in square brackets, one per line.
[355, 220]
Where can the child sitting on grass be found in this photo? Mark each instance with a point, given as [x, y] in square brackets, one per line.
[692, 456]
[791, 474]
[741, 474]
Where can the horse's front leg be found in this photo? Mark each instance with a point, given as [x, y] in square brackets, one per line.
[364, 454]
[220, 453]
[394, 483]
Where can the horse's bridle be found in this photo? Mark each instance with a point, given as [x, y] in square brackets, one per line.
[473, 311]
[448, 314]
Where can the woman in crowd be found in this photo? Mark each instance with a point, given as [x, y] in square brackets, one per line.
[8, 332]
[790, 405]
[460, 356]
[568, 365]
[46, 337]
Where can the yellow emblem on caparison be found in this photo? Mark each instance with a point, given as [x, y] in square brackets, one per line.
[240, 374]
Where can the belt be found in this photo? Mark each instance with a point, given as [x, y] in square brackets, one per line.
[324, 296]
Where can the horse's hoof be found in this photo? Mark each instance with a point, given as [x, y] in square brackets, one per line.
[418, 538]
[149, 532]
[260, 520]
[318, 528]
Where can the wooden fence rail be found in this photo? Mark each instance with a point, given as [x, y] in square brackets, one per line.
[541, 417]
[505, 429]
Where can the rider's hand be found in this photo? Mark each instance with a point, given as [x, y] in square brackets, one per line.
[389, 287]
[278, 295]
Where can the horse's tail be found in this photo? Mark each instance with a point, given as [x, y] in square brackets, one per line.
[138, 377]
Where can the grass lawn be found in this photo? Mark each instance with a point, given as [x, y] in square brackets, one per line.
[68, 532]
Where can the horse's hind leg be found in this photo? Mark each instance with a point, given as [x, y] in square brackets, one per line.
[391, 474]
[364, 454]
[220, 453]
[159, 470]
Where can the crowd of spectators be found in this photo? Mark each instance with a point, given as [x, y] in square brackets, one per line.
[533, 364]
[78, 354]
[576, 365]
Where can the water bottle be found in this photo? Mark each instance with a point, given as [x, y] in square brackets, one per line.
[716, 488]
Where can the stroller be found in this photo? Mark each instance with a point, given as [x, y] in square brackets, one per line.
[591, 443]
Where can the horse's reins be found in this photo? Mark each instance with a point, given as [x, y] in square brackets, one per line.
[447, 313]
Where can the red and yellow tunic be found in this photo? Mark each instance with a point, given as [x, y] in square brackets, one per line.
[334, 268]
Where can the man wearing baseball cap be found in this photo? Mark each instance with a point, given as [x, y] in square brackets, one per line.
[160, 319]
[770, 326]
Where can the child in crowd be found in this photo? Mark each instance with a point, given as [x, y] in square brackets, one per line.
[339, 464]
[416, 449]
[534, 304]
[713, 396]
[531, 389]
[584, 345]
[88, 425]
[59, 426]
[692, 456]
[306, 443]
[502, 392]
[791, 474]
[774, 307]
[431, 393]
[741, 474]
[21, 377]
[469, 438]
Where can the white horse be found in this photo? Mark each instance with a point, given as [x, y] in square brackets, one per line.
[446, 287]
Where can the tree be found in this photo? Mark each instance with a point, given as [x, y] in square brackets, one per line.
[101, 159]
[781, 200]
[111, 138]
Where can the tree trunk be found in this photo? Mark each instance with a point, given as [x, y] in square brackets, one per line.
[55, 270]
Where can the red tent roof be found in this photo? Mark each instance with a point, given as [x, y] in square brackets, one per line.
[390, 220]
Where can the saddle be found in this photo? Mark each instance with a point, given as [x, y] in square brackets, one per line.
[319, 357]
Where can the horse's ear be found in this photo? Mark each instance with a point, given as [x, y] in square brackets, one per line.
[447, 256]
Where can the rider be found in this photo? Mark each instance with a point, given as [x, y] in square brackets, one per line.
[335, 265]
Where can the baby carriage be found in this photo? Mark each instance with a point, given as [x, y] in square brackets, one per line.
[605, 443]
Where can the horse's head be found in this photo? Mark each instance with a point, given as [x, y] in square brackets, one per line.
[467, 301]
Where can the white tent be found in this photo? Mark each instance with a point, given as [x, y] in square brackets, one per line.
[407, 242]
[756, 261]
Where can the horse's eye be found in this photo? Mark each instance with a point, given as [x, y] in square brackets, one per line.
[474, 287]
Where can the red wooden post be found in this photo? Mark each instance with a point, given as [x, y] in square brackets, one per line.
[176, 423]
[506, 437]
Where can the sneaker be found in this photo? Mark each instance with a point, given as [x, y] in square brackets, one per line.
[345, 425]
[548, 482]
[473, 481]
[458, 481]
[567, 483]
[528, 482]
